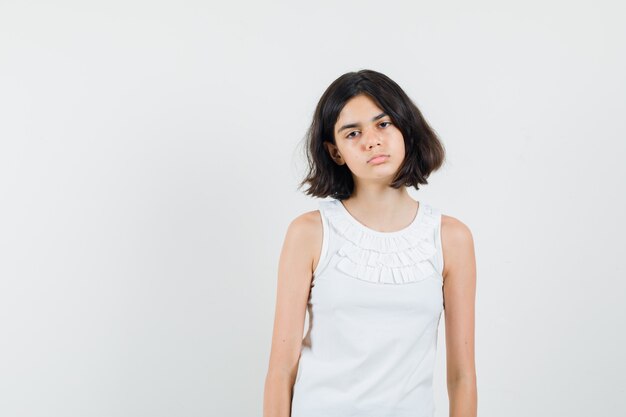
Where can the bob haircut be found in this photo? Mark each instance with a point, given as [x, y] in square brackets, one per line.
[424, 152]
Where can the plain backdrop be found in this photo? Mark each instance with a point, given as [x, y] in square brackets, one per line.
[150, 153]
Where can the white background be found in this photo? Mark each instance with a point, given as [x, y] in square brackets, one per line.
[149, 159]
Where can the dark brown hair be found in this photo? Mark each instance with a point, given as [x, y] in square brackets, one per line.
[424, 152]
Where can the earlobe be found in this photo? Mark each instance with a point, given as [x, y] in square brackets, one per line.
[338, 159]
[334, 153]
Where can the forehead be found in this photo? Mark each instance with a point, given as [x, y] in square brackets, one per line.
[358, 109]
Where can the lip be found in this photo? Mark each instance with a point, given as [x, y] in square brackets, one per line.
[378, 155]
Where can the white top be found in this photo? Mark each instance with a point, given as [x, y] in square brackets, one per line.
[374, 308]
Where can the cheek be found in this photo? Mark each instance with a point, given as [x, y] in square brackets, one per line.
[398, 139]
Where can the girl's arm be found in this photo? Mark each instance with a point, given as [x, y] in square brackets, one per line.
[459, 295]
[295, 271]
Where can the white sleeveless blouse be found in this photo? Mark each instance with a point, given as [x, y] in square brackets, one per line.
[374, 309]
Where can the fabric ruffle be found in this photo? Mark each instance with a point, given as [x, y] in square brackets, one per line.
[399, 257]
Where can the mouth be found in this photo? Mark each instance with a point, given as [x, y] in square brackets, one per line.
[378, 158]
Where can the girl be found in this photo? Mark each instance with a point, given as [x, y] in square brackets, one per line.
[373, 268]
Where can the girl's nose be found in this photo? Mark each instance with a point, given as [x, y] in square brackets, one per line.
[372, 137]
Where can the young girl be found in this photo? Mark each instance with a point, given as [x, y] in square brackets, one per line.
[373, 267]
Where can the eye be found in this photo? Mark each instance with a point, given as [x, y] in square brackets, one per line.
[350, 134]
[382, 123]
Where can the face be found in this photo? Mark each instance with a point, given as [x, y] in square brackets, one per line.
[362, 131]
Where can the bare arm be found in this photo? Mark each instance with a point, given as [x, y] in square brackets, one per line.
[459, 301]
[294, 279]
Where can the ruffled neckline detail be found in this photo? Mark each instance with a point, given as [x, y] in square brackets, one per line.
[400, 257]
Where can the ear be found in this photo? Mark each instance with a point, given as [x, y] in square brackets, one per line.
[333, 151]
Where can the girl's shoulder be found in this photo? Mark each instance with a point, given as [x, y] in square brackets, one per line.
[457, 241]
[307, 222]
[305, 232]
[454, 227]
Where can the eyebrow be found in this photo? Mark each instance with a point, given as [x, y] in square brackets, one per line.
[349, 125]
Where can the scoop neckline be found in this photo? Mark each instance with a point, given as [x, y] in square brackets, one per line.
[416, 218]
